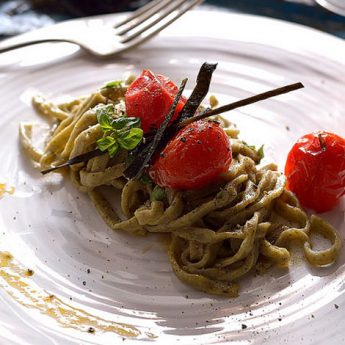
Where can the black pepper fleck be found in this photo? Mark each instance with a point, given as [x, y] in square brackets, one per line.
[88, 271]
[336, 306]
[183, 139]
[84, 282]
[91, 330]
[243, 326]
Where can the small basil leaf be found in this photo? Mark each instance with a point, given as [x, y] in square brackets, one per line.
[119, 123]
[111, 84]
[107, 109]
[113, 149]
[104, 115]
[130, 139]
[105, 143]
[146, 180]
[261, 152]
[158, 194]
[105, 122]
[134, 122]
[128, 122]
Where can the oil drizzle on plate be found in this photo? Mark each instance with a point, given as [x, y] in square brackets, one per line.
[16, 281]
[3, 189]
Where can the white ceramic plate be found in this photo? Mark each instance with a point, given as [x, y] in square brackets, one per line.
[123, 286]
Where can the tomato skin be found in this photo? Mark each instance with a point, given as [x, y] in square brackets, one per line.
[193, 158]
[150, 97]
[315, 170]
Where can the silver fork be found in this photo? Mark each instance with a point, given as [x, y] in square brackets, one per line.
[102, 38]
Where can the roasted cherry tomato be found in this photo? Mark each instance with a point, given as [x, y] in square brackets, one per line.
[315, 170]
[150, 97]
[193, 158]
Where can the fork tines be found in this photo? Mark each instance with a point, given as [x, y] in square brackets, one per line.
[152, 18]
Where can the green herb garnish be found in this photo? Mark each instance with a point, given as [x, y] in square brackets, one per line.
[104, 113]
[158, 194]
[113, 84]
[146, 180]
[120, 133]
[250, 146]
[261, 152]
[129, 139]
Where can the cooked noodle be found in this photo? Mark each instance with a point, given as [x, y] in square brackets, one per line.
[218, 233]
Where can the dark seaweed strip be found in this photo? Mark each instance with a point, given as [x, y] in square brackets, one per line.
[75, 160]
[243, 102]
[200, 91]
[141, 162]
[137, 157]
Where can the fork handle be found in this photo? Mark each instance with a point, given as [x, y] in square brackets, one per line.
[23, 41]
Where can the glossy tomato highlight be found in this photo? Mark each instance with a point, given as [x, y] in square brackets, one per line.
[150, 97]
[194, 158]
[315, 170]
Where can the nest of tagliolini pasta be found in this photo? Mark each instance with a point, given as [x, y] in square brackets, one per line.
[219, 233]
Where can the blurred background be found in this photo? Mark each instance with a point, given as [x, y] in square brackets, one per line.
[18, 16]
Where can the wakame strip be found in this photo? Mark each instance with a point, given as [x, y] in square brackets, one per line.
[243, 102]
[75, 160]
[200, 91]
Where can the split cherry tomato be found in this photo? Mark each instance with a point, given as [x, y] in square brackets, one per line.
[315, 170]
[193, 158]
[150, 97]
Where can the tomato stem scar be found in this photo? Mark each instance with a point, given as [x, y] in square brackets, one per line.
[322, 142]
